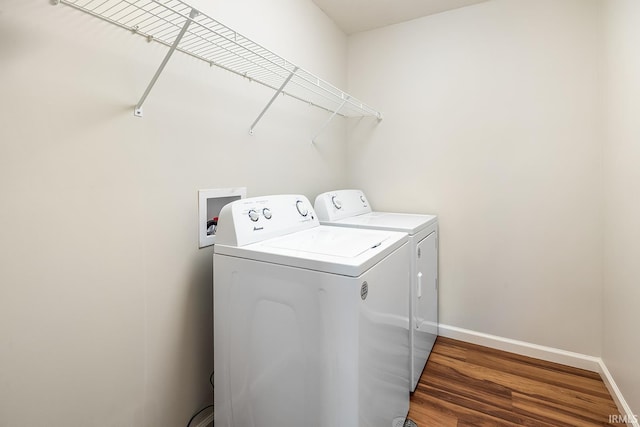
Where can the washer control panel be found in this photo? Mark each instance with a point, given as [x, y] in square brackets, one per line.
[340, 204]
[253, 215]
[255, 219]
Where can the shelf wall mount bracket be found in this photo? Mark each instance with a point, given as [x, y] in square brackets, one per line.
[273, 98]
[138, 108]
[313, 140]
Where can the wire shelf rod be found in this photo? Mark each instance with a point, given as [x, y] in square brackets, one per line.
[264, 57]
[246, 48]
[213, 42]
[291, 95]
[274, 63]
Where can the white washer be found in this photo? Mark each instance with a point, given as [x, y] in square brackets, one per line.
[350, 208]
[311, 323]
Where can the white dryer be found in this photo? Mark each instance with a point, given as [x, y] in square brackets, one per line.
[311, 323]
[350, 208]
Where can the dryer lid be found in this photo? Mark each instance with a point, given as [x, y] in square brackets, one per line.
[408, 223]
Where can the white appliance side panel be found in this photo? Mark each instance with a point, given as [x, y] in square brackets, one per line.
[384, 343]
[425, 303]
[297, 347]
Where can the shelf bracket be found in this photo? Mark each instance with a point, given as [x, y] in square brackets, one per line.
[138, 109]
[313, 140]
[273, 98]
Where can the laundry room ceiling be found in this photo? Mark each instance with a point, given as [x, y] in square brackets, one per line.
[353, 16]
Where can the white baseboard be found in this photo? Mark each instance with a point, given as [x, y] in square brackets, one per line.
[550, 354]
[618, 398]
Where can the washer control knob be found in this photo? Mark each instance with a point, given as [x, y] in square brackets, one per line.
[253, 215]
[267, 213]
[364, 201]
[336, 202]
[302, 209]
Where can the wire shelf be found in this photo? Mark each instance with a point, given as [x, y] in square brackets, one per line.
[174, 22]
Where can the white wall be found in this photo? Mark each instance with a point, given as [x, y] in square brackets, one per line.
[492, 121]
[105, 299]
[622, 208]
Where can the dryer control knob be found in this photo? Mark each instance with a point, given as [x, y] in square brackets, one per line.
[336, 202]
[253, 215]
[267, 213]
[302, 209]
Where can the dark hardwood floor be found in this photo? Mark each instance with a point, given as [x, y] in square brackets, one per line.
[466, 385]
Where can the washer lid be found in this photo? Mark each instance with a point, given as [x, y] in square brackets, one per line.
[408, 223]
[337, 250]
[325, 241]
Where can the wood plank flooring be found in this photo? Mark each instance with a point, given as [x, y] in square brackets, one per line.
[466, 385]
